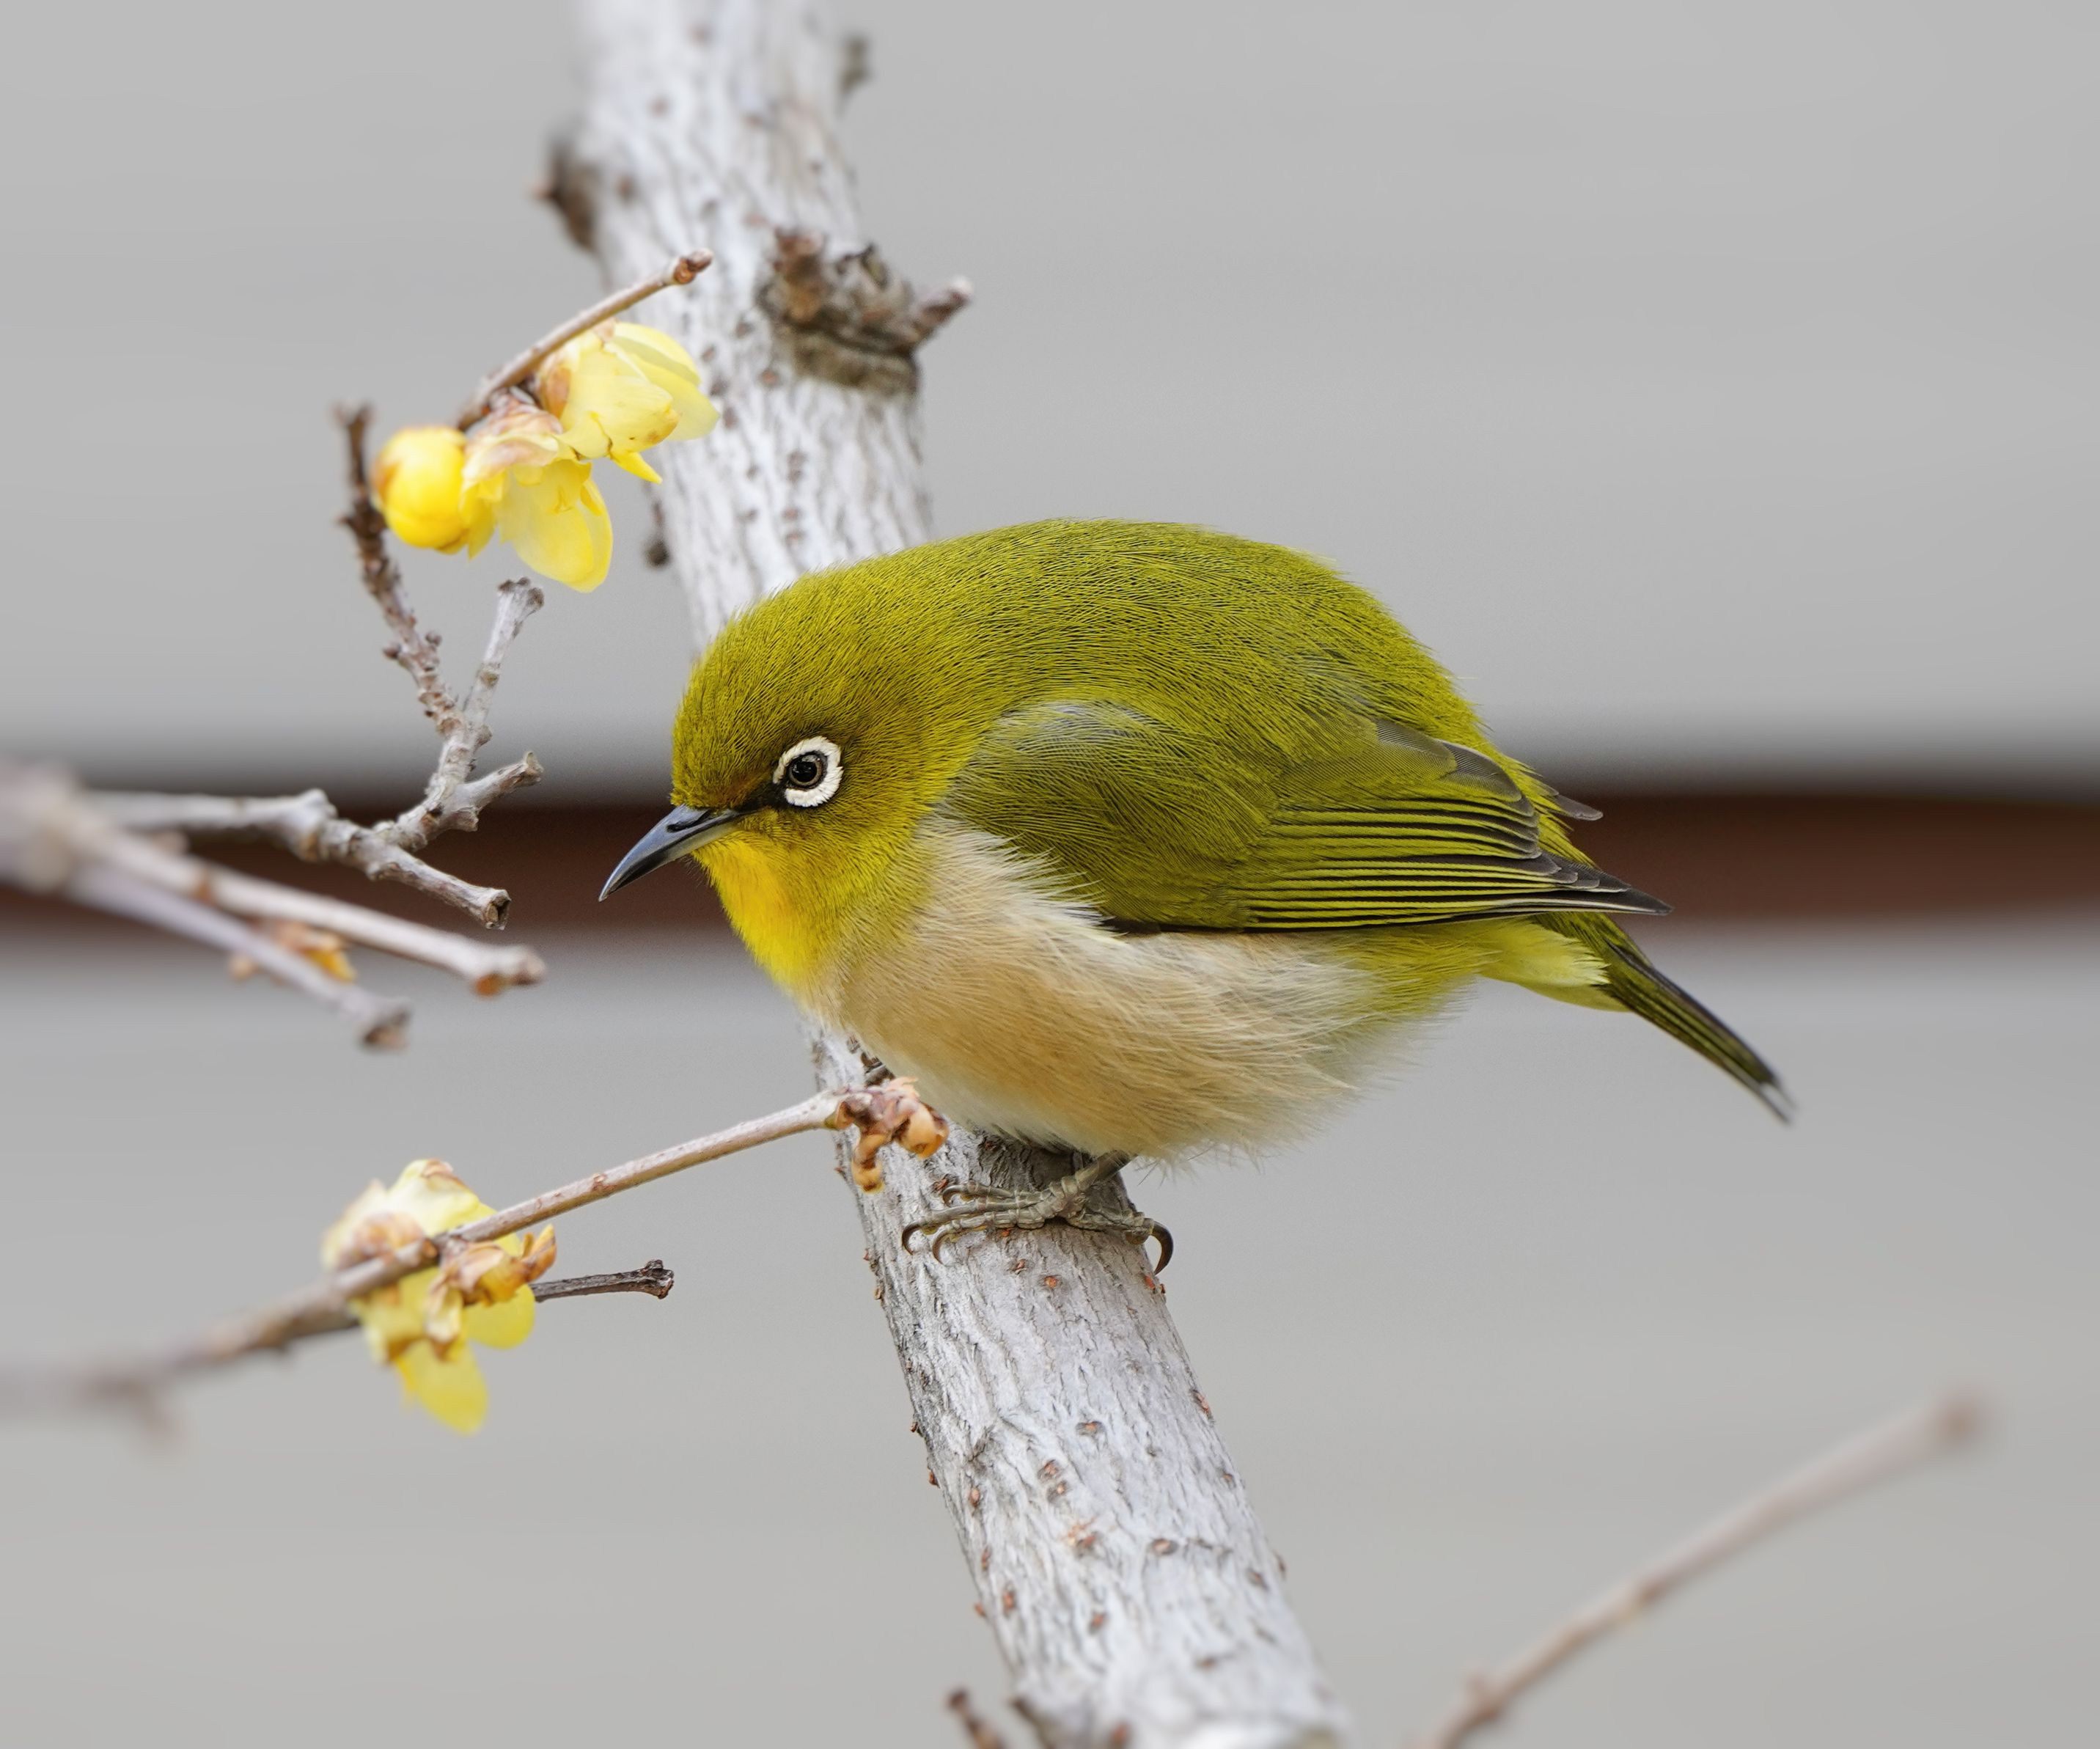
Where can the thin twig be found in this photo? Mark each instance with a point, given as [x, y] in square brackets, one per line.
[1867, 1458]
[55, 838]
[323, 1306]
[654, 1278]
[450, 803]
[683, 270]
[486, 968]
[308, 826]
[378, 1021]
[415, 649]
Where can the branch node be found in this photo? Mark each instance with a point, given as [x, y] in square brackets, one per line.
[846, 318]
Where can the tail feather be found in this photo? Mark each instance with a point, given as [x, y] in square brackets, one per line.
[1640, 988]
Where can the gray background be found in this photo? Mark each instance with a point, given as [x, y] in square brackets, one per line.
[1713, 386]
[1519, 1321]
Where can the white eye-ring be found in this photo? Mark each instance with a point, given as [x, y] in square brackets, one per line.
[809, 772]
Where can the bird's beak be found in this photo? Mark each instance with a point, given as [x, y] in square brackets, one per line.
[679, 833]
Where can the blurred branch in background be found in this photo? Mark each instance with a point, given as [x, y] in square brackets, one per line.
[1867, 1458]
[892, 1113]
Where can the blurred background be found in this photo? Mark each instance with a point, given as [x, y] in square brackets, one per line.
[1712, 388]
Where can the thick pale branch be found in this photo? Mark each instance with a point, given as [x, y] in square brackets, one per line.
[1867, 1458]
[323, 1306]
[1114, 1552]
[682, 270]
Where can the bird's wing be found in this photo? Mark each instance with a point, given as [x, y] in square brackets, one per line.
[1166, 827]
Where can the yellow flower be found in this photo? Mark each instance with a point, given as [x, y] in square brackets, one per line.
[423, 1323]
[520, 479]
[619, 388]
[416, 482]
[523, 471]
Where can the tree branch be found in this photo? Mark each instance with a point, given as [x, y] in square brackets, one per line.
[415, 649]
[324, 1306]
[654, 1279]
[308, 826]
[55, 838]
[94, 849]
[1899, 1444]
[1116, 1556]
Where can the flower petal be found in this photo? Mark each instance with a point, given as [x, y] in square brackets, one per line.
[504, 1324]
[668, 366]
[453, 1390]
[556, 518]
[611, 408]
[393, 1317]
[430, 1193]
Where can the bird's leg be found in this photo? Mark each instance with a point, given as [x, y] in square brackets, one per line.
[993, 1209]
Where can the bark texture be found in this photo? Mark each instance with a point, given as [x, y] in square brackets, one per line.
[1114, 1552]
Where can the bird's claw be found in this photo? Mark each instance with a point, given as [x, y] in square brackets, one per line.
[1004, 1213]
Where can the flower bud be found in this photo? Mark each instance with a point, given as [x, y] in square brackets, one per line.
[415, 482]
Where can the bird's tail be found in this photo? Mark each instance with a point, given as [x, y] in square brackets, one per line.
[1635, 983]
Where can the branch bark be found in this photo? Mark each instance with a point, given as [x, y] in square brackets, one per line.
[1115, 1553]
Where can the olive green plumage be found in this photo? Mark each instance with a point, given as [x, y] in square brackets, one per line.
[1180, 732]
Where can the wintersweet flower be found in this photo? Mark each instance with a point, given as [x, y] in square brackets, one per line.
[521, 478]
[523, 471]
[619, 387]
[422, 1324]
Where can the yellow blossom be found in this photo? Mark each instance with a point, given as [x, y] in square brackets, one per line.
[520, 480]
[422, 1324]
[619, 387]
[523, 471]
[416, 482]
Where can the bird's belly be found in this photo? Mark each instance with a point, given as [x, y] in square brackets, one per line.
[1019, 1014]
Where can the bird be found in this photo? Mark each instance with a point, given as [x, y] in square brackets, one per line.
[1130, 839]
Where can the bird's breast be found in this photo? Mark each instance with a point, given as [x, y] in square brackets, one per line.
[1020, 1013]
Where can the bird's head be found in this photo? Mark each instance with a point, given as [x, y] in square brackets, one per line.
[815, 733]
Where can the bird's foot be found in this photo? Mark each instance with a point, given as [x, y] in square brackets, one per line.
[992, 1209]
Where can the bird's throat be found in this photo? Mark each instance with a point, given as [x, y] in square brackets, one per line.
[786, 935]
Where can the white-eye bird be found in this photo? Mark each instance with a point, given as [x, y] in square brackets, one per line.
[1129, 839]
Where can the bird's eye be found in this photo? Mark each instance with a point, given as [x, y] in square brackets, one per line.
[809, 772]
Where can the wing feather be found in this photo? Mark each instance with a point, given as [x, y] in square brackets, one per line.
[1163, 827]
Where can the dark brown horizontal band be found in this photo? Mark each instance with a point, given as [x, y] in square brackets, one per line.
[1712, 856]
